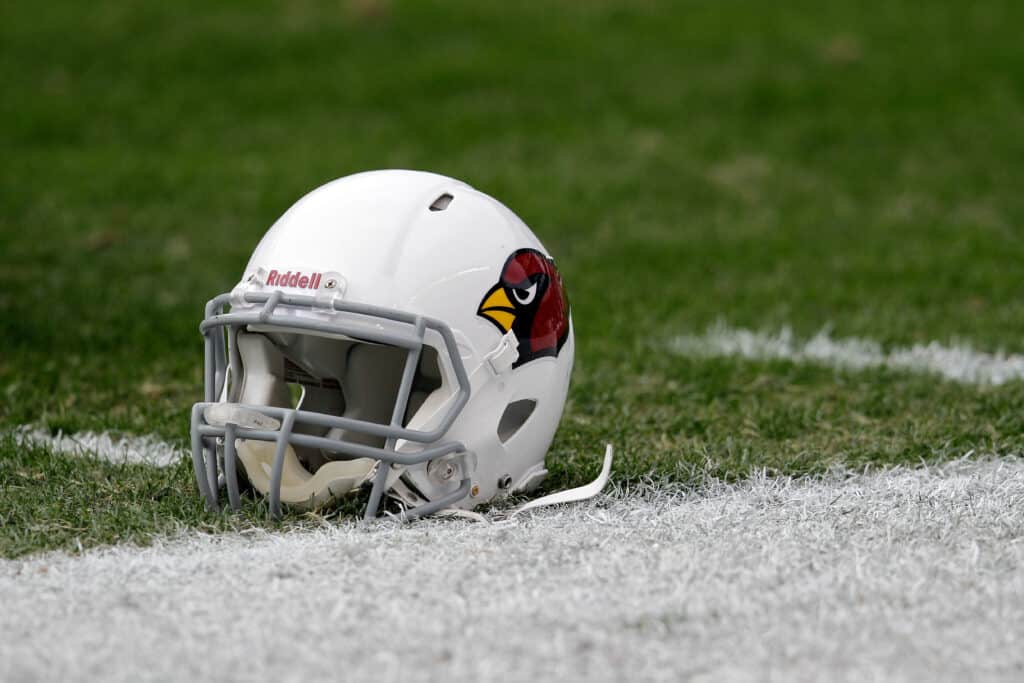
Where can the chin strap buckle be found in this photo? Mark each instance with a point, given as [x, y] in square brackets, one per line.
[504, 355]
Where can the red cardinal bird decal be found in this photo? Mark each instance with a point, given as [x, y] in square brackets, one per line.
[530, 300]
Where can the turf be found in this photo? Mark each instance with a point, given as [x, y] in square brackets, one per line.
[902, 575]
[855, 165]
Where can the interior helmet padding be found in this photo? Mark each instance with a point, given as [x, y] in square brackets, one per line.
[342, 377]
[318, 400]
[372, 380]
[262, 373]
[298, 486]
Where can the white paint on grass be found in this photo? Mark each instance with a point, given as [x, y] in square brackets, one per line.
[901, 575]
[132, 449]
[961, 362]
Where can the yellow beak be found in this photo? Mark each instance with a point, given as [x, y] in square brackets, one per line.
[497, 308]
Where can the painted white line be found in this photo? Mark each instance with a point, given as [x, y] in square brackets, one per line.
[960, 363]
[146, 449]
[899, 575]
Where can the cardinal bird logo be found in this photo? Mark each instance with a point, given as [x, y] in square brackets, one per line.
[530, 300]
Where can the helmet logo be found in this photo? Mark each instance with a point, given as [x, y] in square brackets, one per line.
[295, 279]
[529, 299]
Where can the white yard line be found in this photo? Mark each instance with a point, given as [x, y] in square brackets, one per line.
[960, 362]
[895, 575]
[147, 450]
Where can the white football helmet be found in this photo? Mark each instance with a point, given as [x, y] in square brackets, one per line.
[394, 329]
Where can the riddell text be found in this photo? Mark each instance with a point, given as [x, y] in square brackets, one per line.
[296, 279]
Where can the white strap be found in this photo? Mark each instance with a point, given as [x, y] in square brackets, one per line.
[579, 493]
[503, 356]
[572, 495]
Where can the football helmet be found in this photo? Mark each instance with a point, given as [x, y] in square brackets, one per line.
[397, 330]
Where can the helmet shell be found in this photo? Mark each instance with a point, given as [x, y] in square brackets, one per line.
[434, 246]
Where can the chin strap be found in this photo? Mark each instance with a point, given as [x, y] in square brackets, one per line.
[585, 492]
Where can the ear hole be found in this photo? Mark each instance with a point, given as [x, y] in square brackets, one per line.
[442, 202]
[515, 416]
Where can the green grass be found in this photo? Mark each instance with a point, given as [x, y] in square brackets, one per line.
[856, 164]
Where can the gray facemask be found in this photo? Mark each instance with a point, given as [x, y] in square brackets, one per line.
[363, 370]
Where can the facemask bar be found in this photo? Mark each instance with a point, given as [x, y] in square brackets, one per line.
[409, 334]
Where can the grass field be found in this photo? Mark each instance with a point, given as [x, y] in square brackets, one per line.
[851, 165]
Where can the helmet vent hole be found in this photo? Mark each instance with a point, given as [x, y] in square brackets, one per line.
[515, 416]
[442, 202]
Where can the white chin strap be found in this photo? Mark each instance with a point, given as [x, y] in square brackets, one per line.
[580, 493]
[585, 492]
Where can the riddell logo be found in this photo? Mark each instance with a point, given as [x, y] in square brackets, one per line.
[296, 279]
